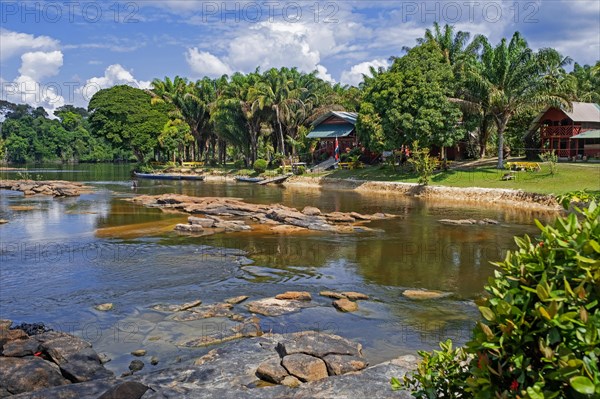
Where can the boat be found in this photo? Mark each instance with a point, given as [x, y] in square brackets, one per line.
[247, 179]
[168, 176]
[276, 179]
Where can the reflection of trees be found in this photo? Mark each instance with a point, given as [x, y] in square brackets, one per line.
[123, 213]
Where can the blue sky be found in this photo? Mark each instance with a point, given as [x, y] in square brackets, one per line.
[52, 53]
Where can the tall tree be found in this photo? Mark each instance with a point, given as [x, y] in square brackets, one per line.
[125, 116]
[508, 77]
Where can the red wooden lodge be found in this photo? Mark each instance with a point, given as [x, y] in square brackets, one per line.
[574, 133]
[332, 125]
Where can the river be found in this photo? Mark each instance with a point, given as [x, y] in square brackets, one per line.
[60, 257]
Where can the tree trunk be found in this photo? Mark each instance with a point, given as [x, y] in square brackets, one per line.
[483, 137]
[280, 132]
[501, 124]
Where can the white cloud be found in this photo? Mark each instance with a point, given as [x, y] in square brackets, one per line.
[323, 74]
[355, 75]
[28, 87]
[15, 43]
[204, 63]
[39, 64]
[113, 75]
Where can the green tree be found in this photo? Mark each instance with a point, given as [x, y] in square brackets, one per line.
[126, 118]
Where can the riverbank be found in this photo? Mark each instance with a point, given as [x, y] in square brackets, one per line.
[462, 195]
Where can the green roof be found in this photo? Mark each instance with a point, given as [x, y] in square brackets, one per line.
[331, 131]
[590, 134]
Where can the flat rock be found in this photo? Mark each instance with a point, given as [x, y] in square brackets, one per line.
[295, 296]
[61, 346]
[355, 296]
[83, 366]
[311, 211]
[21, 348]
[249, 328]
[203, 222]
[139, 352]
[190, 228]
[271, 370]
[425, 294]
[342, 364]
[125, 390]
[18, 375]
[276, 307]
[7, 336]
[317, 344]
[236, 299]
[3, 221]
[305, 367]
[345, 305]
[331, 294]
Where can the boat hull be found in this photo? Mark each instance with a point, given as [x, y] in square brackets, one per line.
[158, 176]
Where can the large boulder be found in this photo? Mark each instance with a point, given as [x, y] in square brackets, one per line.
[26, 374]
[317, 344]
[305, 367]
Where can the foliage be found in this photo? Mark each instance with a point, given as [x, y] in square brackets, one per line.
[540, 333]
[581, 197]
[125, 117]
[440, 374]
[410, 102]
[260, 166]
[239, 164]
[300, 170]
[552, 159]
[423, 163]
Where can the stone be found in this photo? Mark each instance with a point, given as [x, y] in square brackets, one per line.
[425, 294]
[276, 307]
[339, 217]
[342, 364]
[331, 294]
[104, 358]
[125, 390]
[295, 296]
[271, 370]
[237, 299]
[21, 348]
[291, 381]
[191, 228]
[154, 360]
[60, 346]
[7, 336]
[83, 366]
[311, 211]
[345, 305]
[305, 367]
[355, 296]
[104, 307]
[317, 344]
[188, 305]
[139, 352]
[360, 216]
[136, 365]
[27, 374]
[3, 221]
[249, 328]
[203, 222]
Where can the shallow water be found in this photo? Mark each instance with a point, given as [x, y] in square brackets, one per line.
[63, 256]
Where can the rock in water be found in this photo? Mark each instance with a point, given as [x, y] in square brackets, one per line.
[136, 365]
[237, 299]
[104, 307]
[355, 296]
[345, 305]
[331, 294]
[295, 296]
[139, 352]
[425, 294]
[305, 367]
[154, 360]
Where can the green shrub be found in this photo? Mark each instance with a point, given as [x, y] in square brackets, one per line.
[423, 163]
[300, 170]
[260, 166]
[540, 333]
[579, 197]
[239, 164]
[551, 158]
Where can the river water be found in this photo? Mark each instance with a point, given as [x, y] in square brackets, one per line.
[60, 257]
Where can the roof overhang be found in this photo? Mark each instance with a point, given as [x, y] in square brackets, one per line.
[331, 131]
[589, 134]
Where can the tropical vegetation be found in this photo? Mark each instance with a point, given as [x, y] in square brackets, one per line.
[447, 89]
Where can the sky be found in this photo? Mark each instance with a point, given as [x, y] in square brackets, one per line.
[54, 53]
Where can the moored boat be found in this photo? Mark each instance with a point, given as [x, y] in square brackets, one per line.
[168, 176]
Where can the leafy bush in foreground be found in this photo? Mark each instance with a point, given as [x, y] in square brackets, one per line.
[540, 333]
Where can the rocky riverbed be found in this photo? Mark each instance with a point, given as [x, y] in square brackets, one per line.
[55, 188]
[234, 215]
[39, 364]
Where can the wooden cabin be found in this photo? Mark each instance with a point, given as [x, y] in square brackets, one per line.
[572, 134]
[332, 125]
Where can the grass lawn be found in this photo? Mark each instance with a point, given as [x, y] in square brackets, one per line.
[570, 177]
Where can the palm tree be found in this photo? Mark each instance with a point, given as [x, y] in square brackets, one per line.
[509, 77]
[452, 45]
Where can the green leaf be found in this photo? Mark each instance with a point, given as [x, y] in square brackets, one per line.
[535, 393]
[542, 292]
[487, 313]
[582, 384]
[396, 384]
